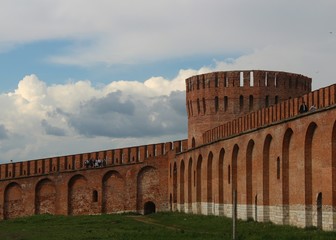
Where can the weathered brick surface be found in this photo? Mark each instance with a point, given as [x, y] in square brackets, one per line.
[281, 163]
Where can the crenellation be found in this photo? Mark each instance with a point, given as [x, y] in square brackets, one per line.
[177, 146]
[332, 94]
[168, 147]
[63, 166]
[126, 154]
[134, 154]
[321, 98]
[159, 149]
[117, 156]
[326, 96]
[259, 78]
[79, 162]
[142, 154]
[33, 167]
[247, 78]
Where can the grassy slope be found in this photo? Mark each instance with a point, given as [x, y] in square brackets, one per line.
[156, 226]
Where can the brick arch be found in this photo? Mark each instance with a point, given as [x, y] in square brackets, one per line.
[285, 174]
[190, 170]
[45, 197]
[209, 183]
[113, 196]
[266, 172]
[199, 183]
[308, 172]
[234, 166]
[333, 175]
[182, 170]
[249, 178]
[148, 187]
[13, 201]
[79, 196]
[175, 184]
[221, 178]
[209, 177]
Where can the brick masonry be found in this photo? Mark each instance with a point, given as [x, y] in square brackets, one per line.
[244, 133]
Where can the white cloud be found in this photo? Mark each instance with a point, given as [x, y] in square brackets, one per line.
[313, 60]
[128, 31]
[41, 120]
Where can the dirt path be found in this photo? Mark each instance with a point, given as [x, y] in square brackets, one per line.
[151, 221]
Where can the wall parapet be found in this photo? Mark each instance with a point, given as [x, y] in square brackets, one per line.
[247, 79]
[317, 99]
[113, 157]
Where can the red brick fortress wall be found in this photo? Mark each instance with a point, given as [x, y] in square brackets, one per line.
[245, 134]
[131, 178]
[283, 173]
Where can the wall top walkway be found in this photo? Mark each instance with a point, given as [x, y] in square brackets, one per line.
[318, 99]
[112, 157]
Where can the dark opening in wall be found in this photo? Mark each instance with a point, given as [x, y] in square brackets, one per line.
[198, 106]
[204, 106]
[278, 168]
[229, 174]
[250, 102]
[194, 178]
[193, 143]
[149, 208]
[267, 101]
[225, 103]
[95, 196]
[241, 103]
[276, 100]
[319, 211]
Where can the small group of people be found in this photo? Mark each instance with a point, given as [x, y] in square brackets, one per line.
[92, 163]
[303, 108]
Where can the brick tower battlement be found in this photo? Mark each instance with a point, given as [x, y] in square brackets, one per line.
[218, 97]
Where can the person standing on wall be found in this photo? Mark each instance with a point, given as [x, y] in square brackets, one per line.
[303, 108]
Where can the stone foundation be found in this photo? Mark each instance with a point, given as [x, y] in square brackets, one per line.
[297, 215]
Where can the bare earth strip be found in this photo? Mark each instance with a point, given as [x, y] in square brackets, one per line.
[151, 221]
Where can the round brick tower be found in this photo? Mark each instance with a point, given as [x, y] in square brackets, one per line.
[215, 98]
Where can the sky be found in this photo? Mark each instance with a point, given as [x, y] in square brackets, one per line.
[80, 76]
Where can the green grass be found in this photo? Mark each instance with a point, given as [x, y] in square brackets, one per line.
[155, 226]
